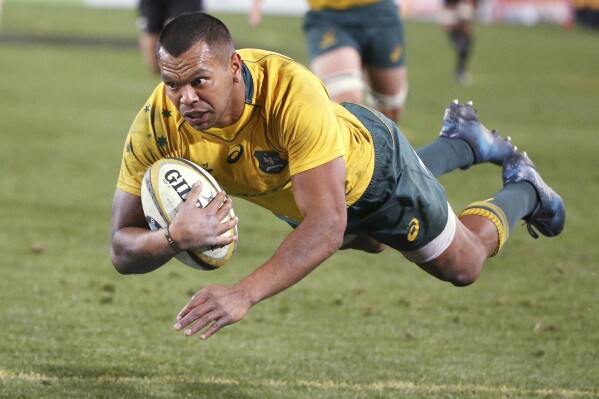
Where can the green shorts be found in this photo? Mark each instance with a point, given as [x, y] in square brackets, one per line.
[404, 206]
[375, 31]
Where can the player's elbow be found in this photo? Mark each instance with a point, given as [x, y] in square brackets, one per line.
[122, 270]
[127, 261]
[335, 229]
[119, 263]
[336, 240]
[326, 230]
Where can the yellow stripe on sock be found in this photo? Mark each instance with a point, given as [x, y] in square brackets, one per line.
[494, 214]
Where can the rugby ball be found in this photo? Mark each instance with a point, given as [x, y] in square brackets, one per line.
[165, 187]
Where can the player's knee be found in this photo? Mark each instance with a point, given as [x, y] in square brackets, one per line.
[393, 114]
[348, 97]
[465, 277]
[459, 274]
[390, 105]
[347, 86]
[465, 269]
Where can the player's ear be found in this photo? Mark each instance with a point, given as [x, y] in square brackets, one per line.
[235, 64]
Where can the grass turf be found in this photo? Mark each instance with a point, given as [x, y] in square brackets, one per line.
[361, 326]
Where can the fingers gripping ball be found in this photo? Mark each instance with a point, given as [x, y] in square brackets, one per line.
[165, 187]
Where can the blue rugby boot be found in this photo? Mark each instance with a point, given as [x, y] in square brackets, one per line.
[461, 121]
[549, 216]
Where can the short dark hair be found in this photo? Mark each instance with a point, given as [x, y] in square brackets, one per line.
[187, 29]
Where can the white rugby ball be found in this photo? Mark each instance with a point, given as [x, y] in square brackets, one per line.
[165, 187]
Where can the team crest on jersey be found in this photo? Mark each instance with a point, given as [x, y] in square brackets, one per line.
[270, 161]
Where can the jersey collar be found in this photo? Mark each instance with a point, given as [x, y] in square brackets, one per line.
[249, 83]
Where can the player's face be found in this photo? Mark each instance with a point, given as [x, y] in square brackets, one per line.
[204, 86]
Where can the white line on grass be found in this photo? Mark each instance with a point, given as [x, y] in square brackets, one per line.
[394, 385]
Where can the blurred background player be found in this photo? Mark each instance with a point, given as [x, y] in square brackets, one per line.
[153, 15]
[457, 20]
[356, 47]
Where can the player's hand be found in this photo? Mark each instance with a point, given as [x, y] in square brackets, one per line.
[214, 307]
[195, 227]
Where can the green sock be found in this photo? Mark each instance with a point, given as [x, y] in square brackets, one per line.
[517, 200]
[512, 203]
[444, 155]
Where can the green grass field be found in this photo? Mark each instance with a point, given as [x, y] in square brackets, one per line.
[361, 326]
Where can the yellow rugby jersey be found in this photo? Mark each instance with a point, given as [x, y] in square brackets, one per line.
[288, 126]
[338, 4]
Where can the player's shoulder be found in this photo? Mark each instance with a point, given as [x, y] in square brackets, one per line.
[275, 69]
[253, 56]
[276, 78]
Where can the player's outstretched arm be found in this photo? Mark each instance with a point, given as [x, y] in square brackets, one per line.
[320, 196]
[135, 249]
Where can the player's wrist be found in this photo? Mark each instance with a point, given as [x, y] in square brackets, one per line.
[171, 241]
[247, 291]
